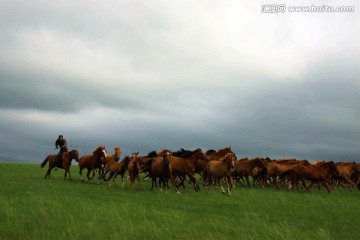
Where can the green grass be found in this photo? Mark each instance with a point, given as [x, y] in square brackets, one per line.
[34, 208]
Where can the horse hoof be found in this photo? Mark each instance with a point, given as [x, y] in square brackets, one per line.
[178, 193]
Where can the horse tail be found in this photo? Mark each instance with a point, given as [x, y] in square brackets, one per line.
[45, 162]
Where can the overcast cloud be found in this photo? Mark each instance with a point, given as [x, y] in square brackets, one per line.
[148, 75]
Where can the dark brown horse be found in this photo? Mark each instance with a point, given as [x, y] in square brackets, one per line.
[222, 169]
[145, 162]
[65, 163]
[134, 170]
[186, 166]
[281, 168]
[161, 168]
[115, 169]
[92, 162]
[244, 168]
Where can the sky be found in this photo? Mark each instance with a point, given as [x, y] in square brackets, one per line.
[152, 75]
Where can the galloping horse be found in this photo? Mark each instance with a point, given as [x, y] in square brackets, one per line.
[161, 168]
[112, 157]
[134, 170]
[244, 168]
[65, 163]
[92, 162]
[186, 166]
[115, 169]
[145, 162]
[222, 168]
[321, 173]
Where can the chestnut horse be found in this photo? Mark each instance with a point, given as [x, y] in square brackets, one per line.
[186, 166]
[222, 168]
[161, 168]
[134, 170]
[145, 162]
[244, 168]
[115, 169]
[112, 157]
[92, 162]
[67, 157]
[321, 173]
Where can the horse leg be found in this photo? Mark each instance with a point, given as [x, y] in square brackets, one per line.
[69, 174]
[193, 181]
[247, 180]
[153, 180]
[209, 181]
[304, 184]
[174, 184]
[223, 190]
[80, 172]
[88, 175]
[274, 182]
[227, 182]
[93, 174]
[48, 172]
[110, 177]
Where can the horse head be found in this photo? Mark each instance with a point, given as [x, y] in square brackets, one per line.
[229, 158]
[200, 155]
[117, 154]
[75, 155]
[134, 157]
[101, 150]
[166, 154]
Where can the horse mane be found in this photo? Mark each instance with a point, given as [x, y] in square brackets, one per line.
[182, 153]
[209, 152]
[152, 154]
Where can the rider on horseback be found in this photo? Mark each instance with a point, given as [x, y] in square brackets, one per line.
[60, 142]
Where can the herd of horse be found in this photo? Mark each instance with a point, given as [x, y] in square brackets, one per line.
[214, 168]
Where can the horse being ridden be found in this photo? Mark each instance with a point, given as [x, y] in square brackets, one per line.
[92, 162]
[65, 164]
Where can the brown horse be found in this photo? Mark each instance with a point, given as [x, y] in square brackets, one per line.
[186, 166]
[161, 168]
[244, 168]
[115, 169]
[134, 170]
[145, 162]
[92, 162]
[222, 168]
[281, 168]
[323, 173]
[347, 171]
[112, 157]
[65, 163]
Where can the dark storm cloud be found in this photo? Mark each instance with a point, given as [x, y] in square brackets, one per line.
[164, 75]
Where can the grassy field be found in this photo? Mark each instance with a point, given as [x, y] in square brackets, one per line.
[34, 208]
